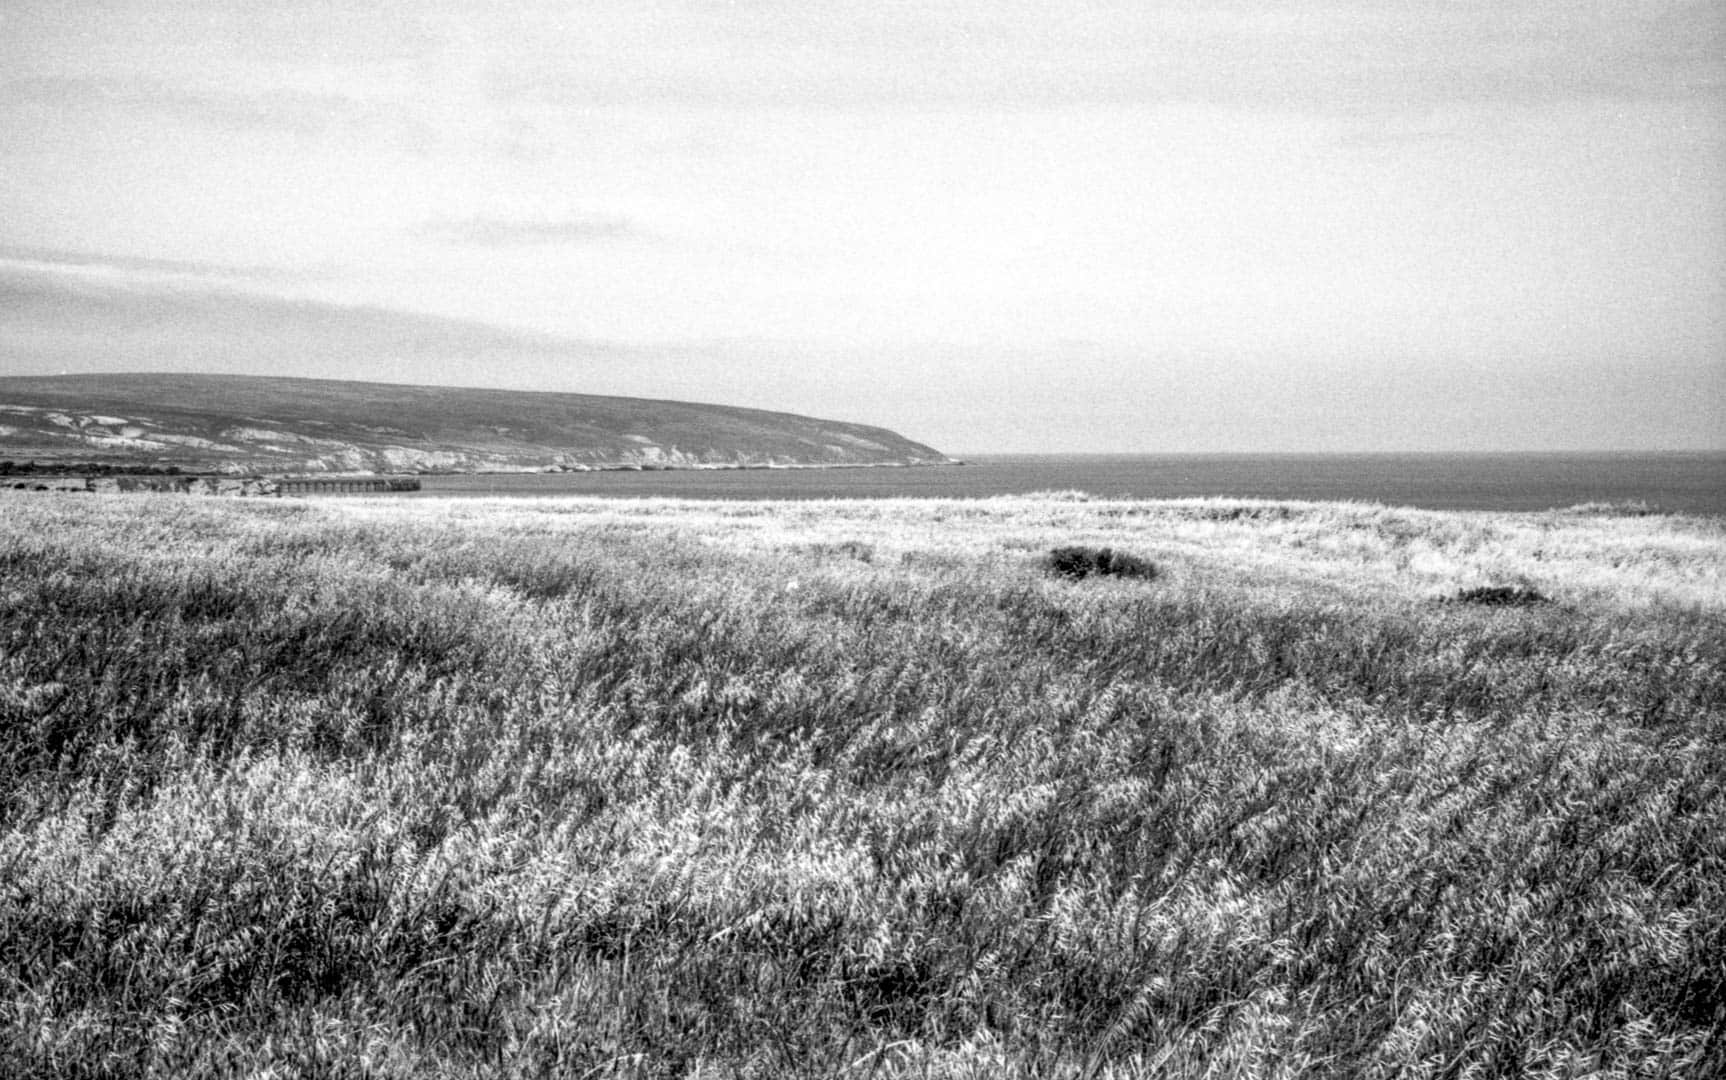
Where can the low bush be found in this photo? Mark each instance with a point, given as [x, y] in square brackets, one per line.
[1501, 596]
[1082, 562]
[849, 549]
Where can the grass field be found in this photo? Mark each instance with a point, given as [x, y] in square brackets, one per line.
[591, 788]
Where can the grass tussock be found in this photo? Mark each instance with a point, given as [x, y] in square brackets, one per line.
[581, 788]
[1078, 561]
[1500, 596]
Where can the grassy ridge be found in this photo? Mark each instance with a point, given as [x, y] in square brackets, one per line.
[598, 788]
[244, 423]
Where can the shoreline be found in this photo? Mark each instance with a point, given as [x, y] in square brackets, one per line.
[97, 470]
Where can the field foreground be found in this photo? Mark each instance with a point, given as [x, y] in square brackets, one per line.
[593, 788]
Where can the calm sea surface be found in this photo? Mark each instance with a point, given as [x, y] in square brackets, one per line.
[1685, 482]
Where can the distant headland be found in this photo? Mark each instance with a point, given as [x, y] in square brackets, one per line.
[252, 425]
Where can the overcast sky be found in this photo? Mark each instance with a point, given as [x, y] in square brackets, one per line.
[987, 224]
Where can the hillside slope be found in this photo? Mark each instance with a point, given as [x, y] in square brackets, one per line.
[243, 424]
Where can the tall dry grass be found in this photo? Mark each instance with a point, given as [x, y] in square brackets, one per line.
[664, 789]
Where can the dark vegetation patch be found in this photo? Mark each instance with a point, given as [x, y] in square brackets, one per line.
[857, 550]
[1251, 512]
[84, 468]
[1080, 561]
[1500, 596]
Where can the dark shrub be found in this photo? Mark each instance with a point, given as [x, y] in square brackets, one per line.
[1500, 596]
[849, 549]
[1083, 562]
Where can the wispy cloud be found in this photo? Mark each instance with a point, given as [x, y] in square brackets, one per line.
[284, 110]
[1288, 53]
[513, 232]
[61, 322]
[24, 257]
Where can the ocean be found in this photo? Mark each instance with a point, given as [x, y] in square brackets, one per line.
[1692, 483]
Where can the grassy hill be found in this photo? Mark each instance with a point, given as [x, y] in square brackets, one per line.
[237, 423]
[588, 787]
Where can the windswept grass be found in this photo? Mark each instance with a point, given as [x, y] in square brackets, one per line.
[591, 788]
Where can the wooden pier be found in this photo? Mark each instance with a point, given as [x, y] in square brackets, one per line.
[345, 485]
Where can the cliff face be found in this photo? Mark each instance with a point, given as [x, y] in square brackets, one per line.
[242, 424]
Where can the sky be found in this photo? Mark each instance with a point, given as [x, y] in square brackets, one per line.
[990, 225]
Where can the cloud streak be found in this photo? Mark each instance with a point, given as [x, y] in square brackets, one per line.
[1350, 56]
[283, 110]
[17, 257]
[62, 322]
[511, 232]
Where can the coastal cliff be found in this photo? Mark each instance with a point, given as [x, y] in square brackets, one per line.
[237, 424]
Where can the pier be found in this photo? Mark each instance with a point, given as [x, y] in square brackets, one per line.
[345, 485]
